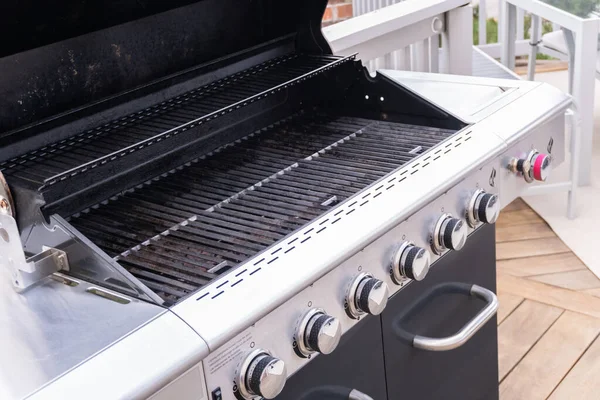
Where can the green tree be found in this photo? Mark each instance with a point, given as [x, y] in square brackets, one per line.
[581, 8]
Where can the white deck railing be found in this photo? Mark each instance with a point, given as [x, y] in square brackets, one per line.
[404, 59]
[494, 49]
[406, 35]
[522, 46]
[413, 56]
[399, 34]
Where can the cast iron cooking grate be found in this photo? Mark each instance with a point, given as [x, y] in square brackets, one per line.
[179, 231]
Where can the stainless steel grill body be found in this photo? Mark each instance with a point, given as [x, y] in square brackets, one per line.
[257, 302]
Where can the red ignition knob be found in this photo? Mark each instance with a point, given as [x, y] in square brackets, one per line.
[541, 166]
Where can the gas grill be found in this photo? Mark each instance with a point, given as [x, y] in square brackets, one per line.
[189, 210]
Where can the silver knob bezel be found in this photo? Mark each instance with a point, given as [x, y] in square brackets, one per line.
[473, 208]
[527, 167]
[241, 378]
[353, 295]
[398, 268]
[304, 329]
[243, 389]
[472, 218]
[352, 308]
[437, 241]
[529, 160]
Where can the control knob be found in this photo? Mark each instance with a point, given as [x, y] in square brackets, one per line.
[536, 166]
[318, 332]
[261, 375]
[449, 233]
[483, 207]
[410, 261]
[367, 295]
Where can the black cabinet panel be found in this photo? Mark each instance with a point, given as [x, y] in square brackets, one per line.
[357, 363]
[468, 372]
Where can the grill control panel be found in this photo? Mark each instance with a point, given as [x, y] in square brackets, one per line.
[312, 322]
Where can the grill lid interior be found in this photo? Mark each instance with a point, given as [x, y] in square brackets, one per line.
[64, 55]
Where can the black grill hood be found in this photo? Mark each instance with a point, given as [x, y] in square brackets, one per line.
[64, 55]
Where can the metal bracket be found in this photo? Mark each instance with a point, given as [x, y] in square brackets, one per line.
[526, 167]
[26, 272]
[7, 205]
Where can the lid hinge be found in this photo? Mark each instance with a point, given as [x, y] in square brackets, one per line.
[26, 271]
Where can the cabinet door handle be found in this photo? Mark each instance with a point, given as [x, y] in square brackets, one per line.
[465, 333]
[356, 395]
[334, 393]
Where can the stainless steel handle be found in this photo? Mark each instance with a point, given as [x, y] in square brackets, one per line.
[334, 393]
[356, 395]
[463, 335]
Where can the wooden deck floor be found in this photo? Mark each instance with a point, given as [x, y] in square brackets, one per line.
[549, 315]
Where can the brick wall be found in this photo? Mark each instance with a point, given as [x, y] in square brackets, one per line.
[337, 10]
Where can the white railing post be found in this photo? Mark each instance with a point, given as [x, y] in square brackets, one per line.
[509, 18]
[421, 56]
[412, 63]
[535, 37]
[520, 24]
[584, 79]
[500, 20]
[404, 56]
[457, 41]
[357, 7]
[434, 54]
[521, 46]
[482, 22]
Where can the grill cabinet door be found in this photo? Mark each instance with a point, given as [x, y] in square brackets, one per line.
[467, 372]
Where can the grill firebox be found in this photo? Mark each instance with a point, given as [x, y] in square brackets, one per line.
[177, 232]
[186, 189]
[182, 191]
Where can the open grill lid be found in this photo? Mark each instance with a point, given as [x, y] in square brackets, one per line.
[66, 55]
[94, 110]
